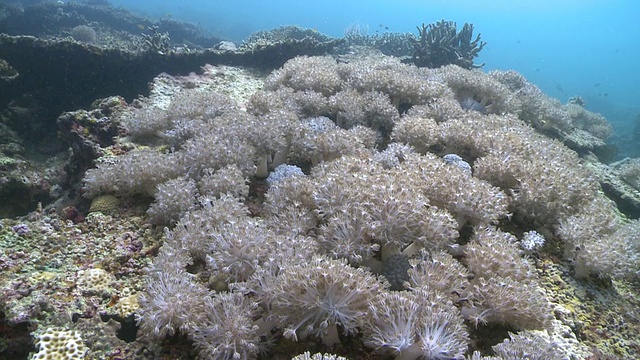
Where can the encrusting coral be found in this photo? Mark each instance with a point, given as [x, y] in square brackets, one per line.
[396, 220]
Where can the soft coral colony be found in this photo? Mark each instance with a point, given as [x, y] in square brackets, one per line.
[404, 207]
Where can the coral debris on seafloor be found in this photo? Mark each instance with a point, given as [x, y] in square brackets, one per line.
[374, 246]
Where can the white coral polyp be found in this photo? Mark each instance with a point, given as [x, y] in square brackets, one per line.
[316, 297]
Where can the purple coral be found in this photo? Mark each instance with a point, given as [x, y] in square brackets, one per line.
[21, 229]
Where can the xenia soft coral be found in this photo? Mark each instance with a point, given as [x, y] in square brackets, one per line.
[172, 302]
[505, 288]
[316, 297]
[227, 330]
[420, 324]
[354, 202]
[397, 215]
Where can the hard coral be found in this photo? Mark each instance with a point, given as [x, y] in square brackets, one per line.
[441, 44]
[55, 343]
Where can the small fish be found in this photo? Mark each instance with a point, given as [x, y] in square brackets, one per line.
[605, 94]
[140, 27]
[386, 28]
[596, 84]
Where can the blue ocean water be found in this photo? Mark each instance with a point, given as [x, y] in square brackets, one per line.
[566, 47]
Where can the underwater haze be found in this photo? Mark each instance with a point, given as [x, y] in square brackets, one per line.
[566, 47]
[256, 180]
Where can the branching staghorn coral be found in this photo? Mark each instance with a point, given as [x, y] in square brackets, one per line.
[440, 44]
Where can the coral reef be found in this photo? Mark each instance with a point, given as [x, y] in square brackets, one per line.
[440, 44]
[629, 170]
[63, 344]
[359, 208]
[84, 33]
